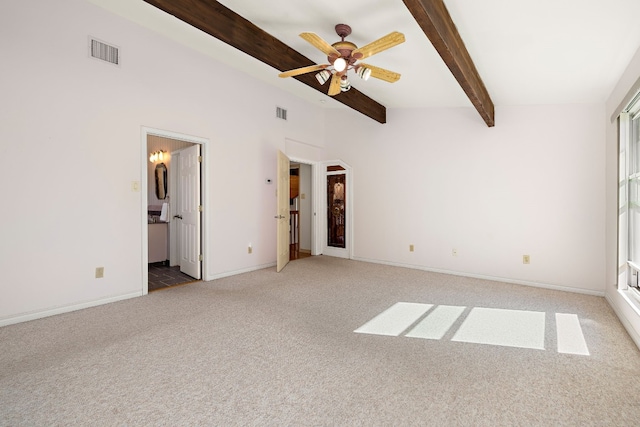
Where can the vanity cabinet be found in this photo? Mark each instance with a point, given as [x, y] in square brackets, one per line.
[158, 242]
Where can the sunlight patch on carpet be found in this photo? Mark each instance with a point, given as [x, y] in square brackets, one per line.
[492, 326]
[436, 324]
[394, 320]
[509, 328]
[570, 337]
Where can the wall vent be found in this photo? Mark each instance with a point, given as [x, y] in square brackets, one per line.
[104, 51]
[281, 113]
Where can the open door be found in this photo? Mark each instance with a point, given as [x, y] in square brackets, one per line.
[190, 211]
[282, 194]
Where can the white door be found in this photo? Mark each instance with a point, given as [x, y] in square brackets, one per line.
[282, 194]
[189, 210]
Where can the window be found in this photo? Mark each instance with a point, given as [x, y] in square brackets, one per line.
[629, 198]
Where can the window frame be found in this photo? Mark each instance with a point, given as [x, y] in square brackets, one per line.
[629, 198]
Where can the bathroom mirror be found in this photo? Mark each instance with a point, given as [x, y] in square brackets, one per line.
[161, 181]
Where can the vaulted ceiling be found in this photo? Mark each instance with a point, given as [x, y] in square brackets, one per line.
[457, 52]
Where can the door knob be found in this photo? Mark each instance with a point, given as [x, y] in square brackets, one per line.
[178, 216]
[279, 217]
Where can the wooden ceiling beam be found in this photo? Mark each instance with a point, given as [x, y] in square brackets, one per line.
[224, 24]
[434, 19]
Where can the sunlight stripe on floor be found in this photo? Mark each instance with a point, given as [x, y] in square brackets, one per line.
[570, 337]
[510, 328]
[437, 323]
[394, 320]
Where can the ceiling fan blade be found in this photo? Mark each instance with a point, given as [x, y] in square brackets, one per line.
[303, 70]
[334, 87]
[382, 74]
[384, 43]
[320, 44]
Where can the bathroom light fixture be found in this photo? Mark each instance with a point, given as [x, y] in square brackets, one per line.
[157, 156]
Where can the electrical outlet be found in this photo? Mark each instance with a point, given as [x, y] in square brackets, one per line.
[410, 248]
[99, 272]
[454, 252]
[526, 259]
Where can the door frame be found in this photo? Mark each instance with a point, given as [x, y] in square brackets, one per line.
[204, 174]
[346, 252]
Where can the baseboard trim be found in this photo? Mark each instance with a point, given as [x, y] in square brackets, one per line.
[65, 309]
[483, 277]
[628, 326]
[241, 271]
[25, 317]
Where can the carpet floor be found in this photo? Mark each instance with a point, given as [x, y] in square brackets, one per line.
[326, 342]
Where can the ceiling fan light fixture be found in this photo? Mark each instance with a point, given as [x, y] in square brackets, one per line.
[323, 76]
[340, 64]
[345, 84]
[364, 72]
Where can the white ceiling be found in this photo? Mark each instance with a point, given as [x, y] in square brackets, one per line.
[527, 52]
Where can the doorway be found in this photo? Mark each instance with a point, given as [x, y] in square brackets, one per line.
[322, 222]
[173, 229]
[301, 209]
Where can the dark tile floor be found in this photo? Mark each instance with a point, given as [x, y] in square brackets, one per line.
[162, 276]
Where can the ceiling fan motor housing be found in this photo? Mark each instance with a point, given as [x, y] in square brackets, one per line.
[343, 30]
[345, 49]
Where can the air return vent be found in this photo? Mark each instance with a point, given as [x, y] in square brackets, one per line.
[281, 113]
[103, 51]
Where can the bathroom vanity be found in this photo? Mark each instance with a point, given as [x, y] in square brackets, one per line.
[158, 241]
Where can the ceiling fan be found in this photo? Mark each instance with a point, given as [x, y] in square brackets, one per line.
[342, 57]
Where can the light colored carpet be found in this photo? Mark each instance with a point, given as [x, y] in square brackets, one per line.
[264, 348]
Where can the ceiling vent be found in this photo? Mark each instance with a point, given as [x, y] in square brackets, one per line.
[103, 51]
[281, 113]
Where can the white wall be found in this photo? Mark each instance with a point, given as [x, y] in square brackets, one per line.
[70, 148]
[626, 86]
[441, 180]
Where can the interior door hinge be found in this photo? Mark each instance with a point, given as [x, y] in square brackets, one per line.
[200, 208]
[200, 159]
[200, 257]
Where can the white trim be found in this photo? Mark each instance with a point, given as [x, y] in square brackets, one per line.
[65, 309]
[623, 240]
[633, 333]
[347, 252]
[633, 265]
[241, 271]
[205, 200]
[628, 98]
[483, 277]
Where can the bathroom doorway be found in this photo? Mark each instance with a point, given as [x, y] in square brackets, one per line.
[174, 228]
